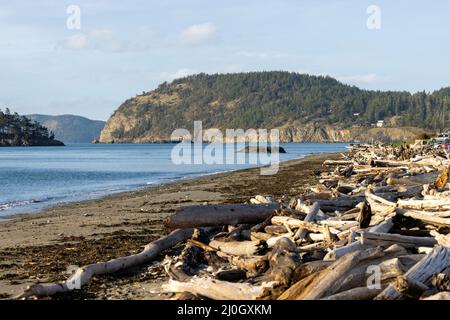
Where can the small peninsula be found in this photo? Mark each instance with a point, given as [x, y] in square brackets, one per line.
[20, 131]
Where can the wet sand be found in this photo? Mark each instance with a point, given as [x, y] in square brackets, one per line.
[39, 247]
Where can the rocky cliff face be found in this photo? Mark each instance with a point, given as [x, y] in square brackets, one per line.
[115, 127]
[327, 133]
[315, 133]
[300, 133]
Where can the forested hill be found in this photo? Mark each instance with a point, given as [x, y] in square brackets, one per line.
[70, 128]
[305, 107]
[16, 130]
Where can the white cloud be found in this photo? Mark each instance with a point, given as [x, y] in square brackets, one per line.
[102, 40]
[180, 73]
[199, 34]
[360, 79]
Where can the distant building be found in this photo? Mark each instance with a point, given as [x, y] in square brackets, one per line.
[380, 123]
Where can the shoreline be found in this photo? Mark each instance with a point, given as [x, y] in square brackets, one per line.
[38, 247]
[143, 188]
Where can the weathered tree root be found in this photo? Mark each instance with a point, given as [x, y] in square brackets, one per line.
[84, 274]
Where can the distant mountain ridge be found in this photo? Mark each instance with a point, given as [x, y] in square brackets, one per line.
[304, 108]
[70, 128]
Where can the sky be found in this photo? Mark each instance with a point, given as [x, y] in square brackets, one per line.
[87, 57]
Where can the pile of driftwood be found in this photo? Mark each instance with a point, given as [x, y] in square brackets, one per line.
[376, 227]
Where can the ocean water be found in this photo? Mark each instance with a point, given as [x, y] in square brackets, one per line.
[34, 178]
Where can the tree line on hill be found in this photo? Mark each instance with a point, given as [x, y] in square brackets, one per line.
[270, 99]
[17, 130]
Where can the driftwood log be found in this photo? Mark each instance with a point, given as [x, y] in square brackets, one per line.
[293, 223]
[322, 285]
[426, 217]
[420, 275]
[216, 215]
[386, 239]
[84, 274]
[283, 260]
[359, 293]
[312, 213]
[240, 248]
[216, 289]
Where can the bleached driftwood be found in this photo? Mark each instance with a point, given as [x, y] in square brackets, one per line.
[283, 260]
[371, 196]
[342, 251]
[365, 215]
[272, 241]
[260, 236]
[437, 196]
[392, 268]
[442, 240]
[315, 237]
[439, 296]
[358, 275]
[430, 205]
[359, 293]
[340, 203]
[382, 227]
[313, 211]
[389, 163]
[261, 200]
[84, 274]
[339, 224]
[296, 223]
[240, 248]
[421, 273]
[216, 215]
[322, 284]
[425, 216]
[181, 267]
[253, 265]
[276, 228]
[387, 239]
[336, 253]
[216, 289]
[348, 215]
[309, 268]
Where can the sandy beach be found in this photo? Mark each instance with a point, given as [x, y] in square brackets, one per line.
[39, 247]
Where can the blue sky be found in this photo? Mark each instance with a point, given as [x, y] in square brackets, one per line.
[126, 47]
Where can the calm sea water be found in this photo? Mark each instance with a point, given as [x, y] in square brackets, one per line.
[34, 178]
